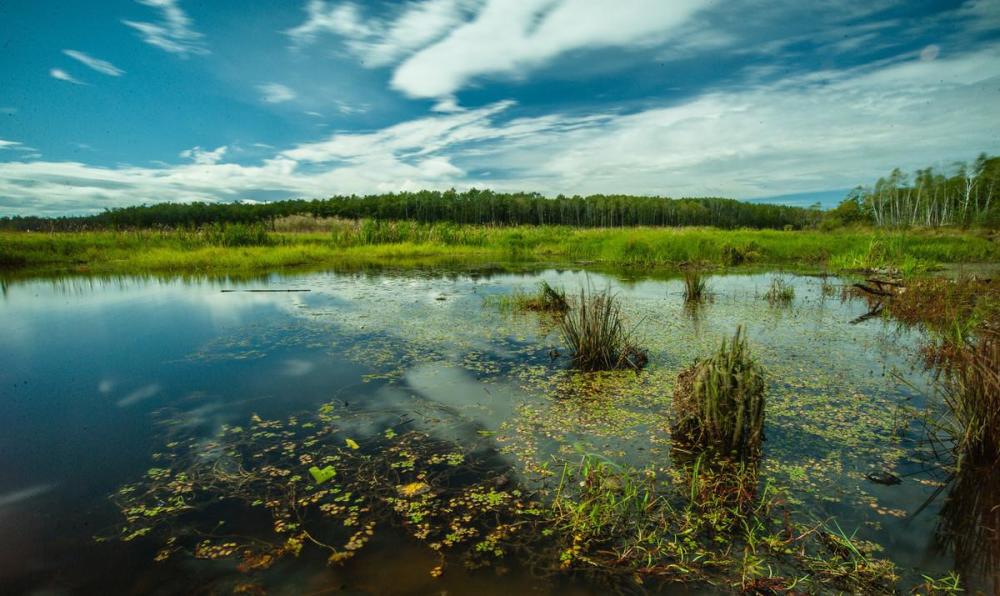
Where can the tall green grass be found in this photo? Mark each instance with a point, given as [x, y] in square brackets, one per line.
[719, 402]
[123, 252]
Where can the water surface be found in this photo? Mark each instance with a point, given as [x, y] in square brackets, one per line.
[96, 373]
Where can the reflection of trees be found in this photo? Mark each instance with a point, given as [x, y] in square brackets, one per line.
[969, 527]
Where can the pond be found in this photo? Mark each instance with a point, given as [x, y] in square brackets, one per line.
[115, 386]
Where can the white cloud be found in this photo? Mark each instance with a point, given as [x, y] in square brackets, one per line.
[276, 93]
[173, 33]
[8, 144]
[825, 130]
[204, 157]
[380, 42]
[446, 44]
[508, 38]
[62, 75]
[101, 66]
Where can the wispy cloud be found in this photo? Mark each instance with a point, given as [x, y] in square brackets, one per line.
[382, 42]
[62, 75]
[101, 66]
[173, 33]
[276, 93]
[8, 144]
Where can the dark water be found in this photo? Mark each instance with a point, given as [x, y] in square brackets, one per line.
[90, 370]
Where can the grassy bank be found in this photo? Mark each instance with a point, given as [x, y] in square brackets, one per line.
[207, 251]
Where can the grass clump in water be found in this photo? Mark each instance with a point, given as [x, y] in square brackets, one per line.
[545, 299]
[720, 402]
[695, 287]
[780, 292]
[596, 335]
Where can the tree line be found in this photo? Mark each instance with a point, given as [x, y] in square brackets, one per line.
[474, 206]
[965, 196]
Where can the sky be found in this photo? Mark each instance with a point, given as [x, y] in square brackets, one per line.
[122, 102]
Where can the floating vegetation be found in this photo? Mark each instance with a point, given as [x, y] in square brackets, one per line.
[545, 299]
[695, 287]
[708, 525]
[316, 493]
[780, 292]
[595, 332]
[719, 402]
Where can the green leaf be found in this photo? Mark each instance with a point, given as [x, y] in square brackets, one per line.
[321, 476]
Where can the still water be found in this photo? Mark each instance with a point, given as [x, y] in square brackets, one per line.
[96, 375]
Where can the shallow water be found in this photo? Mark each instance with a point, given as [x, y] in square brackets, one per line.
[96, 372]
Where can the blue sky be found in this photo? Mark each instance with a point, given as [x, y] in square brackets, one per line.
[119, 102]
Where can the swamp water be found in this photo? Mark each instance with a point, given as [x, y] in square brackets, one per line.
[120, 394]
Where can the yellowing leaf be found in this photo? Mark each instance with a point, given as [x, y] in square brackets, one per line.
[352, 444]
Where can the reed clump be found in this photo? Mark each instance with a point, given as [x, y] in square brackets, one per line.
[695, 287]
[545, 299]
[719, 402]
[780, 292]
[970, 386]
[595, 332]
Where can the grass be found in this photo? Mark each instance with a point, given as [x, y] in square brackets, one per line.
[594, 330]
[544, 299]
[971, 391]
[719, 402]
[208, 250]
[713, 526]
[695, 288]
[780, 292]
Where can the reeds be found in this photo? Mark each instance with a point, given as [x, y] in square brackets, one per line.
[720, 402]
[695, 288]
[596, 335]
[545, 299]
[970, 386]
[780, 292]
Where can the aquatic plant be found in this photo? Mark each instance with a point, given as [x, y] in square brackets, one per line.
[320, 490]
[612, 521]
[695, 288]
[594, 330]
[970, 386]
[545, 299]
[780, 292]
[719, 402]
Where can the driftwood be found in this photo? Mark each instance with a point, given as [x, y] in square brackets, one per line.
[871, 314]
[872, 291]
